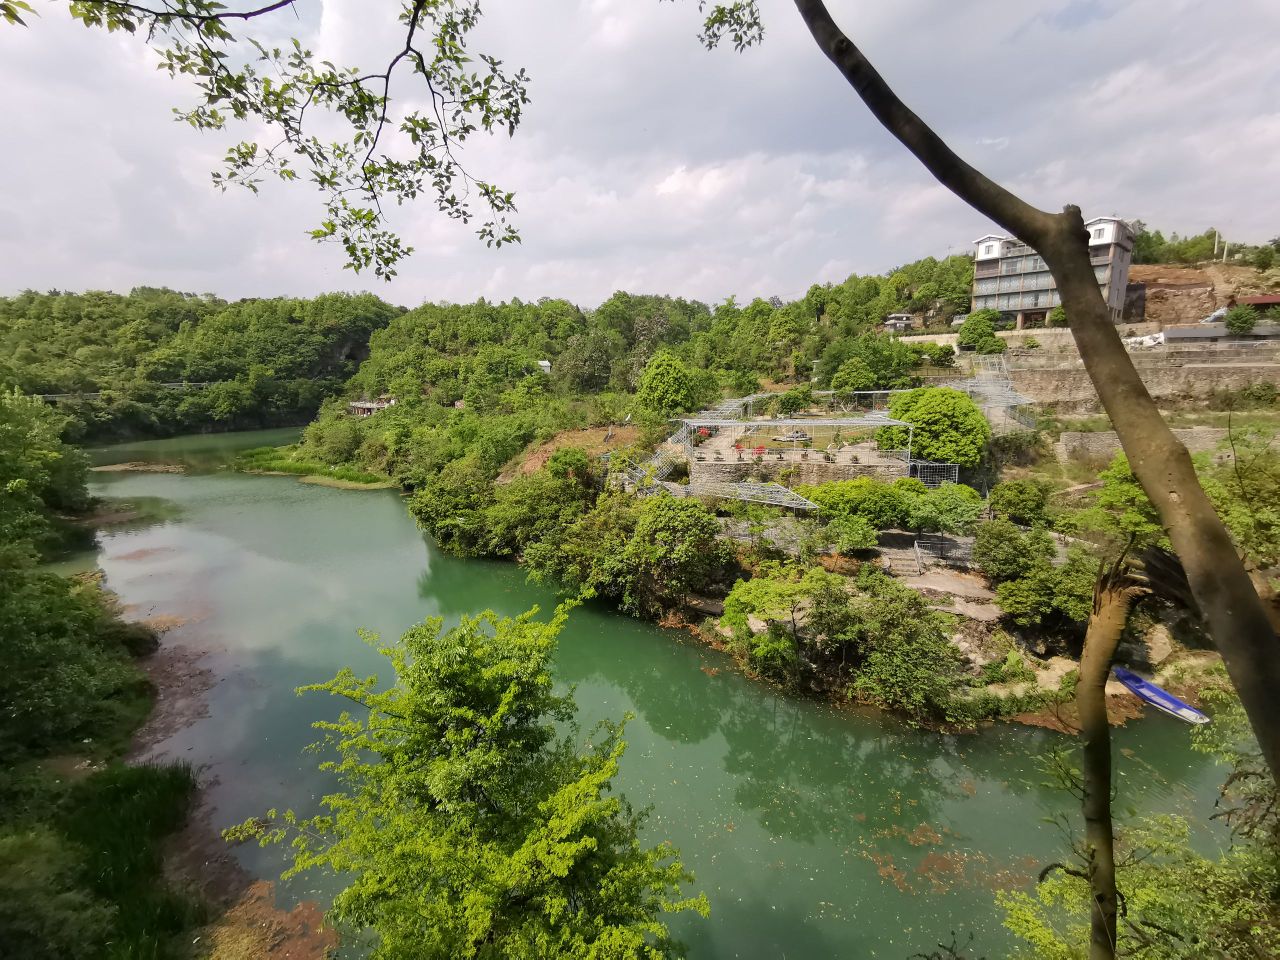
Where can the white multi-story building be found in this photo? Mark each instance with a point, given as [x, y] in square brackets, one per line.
[1011, 277]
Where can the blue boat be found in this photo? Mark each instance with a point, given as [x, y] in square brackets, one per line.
[1160, 699]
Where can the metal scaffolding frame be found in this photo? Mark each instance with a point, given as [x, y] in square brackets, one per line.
[771, 494]
[991, 388]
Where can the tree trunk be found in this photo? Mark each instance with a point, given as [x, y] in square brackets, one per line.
[1236, 616]
[1110, 610]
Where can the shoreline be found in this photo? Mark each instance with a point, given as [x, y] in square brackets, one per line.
[245, 920]
[320, 480]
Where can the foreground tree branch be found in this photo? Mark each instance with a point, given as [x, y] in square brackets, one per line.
[1236, 616]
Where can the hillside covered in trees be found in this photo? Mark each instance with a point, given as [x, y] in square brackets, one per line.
[256, 363]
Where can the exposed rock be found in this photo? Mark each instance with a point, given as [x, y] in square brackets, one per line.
[1159, 644]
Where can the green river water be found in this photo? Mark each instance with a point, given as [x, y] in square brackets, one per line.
[814, 832]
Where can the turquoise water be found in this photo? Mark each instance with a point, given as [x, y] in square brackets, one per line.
[814, 832]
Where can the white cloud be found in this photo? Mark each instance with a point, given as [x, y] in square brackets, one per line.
[647, 163]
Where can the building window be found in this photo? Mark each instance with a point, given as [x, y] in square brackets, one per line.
[988, 248]
[1099, 232]
[1013, 265]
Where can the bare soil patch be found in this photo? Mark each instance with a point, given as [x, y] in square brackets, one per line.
[254, 927]
[1062, 717]
[248, 924]
[592, 440]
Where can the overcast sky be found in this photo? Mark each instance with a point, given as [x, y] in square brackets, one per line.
[647, 164]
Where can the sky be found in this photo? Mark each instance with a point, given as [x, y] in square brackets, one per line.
[648, 164]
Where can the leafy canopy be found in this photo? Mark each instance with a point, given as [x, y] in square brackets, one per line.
[949, 427]
[471, 820]
[362, 135]
[667, 385]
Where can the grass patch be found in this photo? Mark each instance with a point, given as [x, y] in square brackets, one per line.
[119, 818]
[282, 460]
[81, 866]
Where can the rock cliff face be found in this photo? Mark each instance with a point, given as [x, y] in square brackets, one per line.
[1167, 294]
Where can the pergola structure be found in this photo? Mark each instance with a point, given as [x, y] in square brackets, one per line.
[769, 429]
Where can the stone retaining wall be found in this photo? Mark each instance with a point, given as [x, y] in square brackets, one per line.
[1070, 389]
[1105, 445]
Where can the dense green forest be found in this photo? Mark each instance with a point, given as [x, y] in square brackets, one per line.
[1152, 246]
[257, 363]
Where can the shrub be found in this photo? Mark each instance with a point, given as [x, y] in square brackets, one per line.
[883, 505]
[1012, 669]
[978, 326]
[1022, 501]
[852, 534]
[990, 345]
[908, 662]
[667, 385]
[1241, 320]
[949, 508]
[795, 400]
[949, 427]
[853, 375]
[1002, 552]
[674, 551]
[1057, 317]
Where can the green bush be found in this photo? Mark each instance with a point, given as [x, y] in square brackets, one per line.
[852, 534]
[977, 327]
[45, 911]
[1003, 552]
[1012, 669]
[1022, 501]
[990, 345]
[949, 427]
[1241, 320]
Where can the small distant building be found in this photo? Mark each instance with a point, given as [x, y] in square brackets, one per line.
[365, 408]
[1263, 302]
[1011, 277]
[545, 366]
[899, 322]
